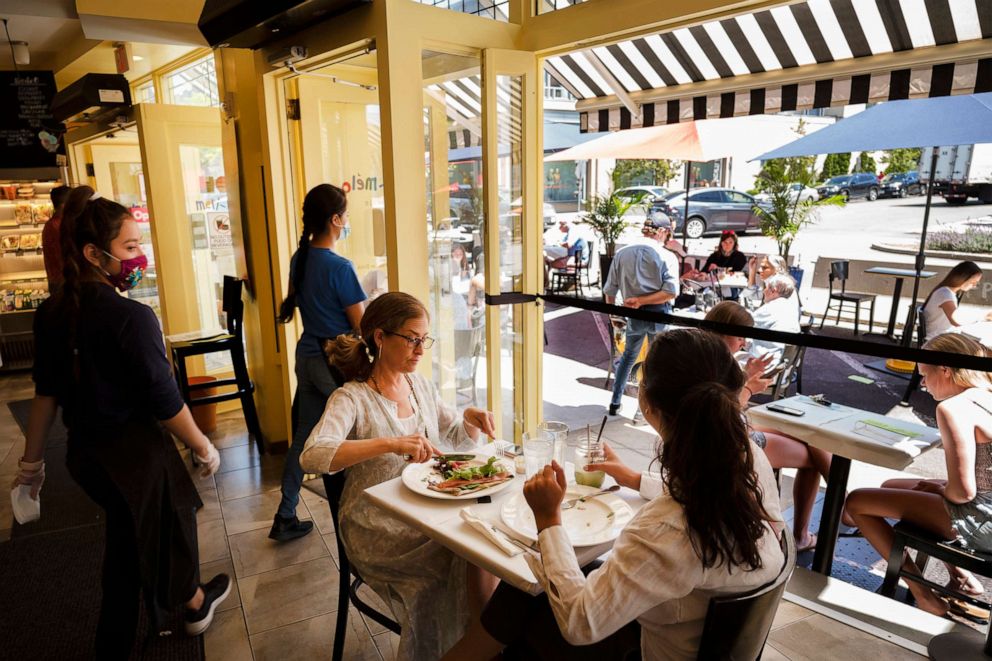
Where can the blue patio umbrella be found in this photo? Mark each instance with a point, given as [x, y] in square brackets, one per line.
[938, 122]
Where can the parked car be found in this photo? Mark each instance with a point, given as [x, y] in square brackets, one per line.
[804, 193]
[711, 210]
[851, 186]
[648, 193]
[901, 184]
[548, 212]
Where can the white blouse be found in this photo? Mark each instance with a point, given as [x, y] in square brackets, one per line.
[653, 575]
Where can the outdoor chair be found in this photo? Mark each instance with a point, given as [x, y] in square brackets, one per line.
[585, 268]
[737, 626]
[232, 342]
[468, 347]
[839, 270]
[921, 337]
[907, 536]
[570, 275]
[349, 580]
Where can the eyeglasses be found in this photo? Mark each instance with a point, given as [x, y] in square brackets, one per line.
[425, 342]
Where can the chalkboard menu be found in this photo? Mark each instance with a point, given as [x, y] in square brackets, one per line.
[27, 130]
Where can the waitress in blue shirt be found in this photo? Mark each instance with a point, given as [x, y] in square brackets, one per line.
[325, 288]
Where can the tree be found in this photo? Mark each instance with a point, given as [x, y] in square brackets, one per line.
[866, 163]
[605, 215]
[902, 160]
[836, 164]
[785, 214]
[643, 172]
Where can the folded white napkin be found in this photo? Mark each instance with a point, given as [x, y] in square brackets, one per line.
[490, 532]
[26, 509]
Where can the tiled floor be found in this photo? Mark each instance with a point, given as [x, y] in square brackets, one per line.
[285, 599]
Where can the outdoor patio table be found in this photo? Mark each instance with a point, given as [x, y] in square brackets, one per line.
[440, 520]
[898, 274]
[841, 431]
[980, 330]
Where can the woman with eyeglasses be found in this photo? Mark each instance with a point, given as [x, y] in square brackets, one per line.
[325, 287]
[385, 416]
[726, 255]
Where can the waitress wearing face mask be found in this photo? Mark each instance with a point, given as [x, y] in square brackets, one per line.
[100, 357]
[325, 288]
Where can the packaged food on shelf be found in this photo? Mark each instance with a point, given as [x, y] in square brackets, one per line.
[10, 242]
[23, 213]
[41, 213]
[25, 191]
[30, 241]
[9, 191]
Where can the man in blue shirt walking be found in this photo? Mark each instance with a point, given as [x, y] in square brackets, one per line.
[639, 273]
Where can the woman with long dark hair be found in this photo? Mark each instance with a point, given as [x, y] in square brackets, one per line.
[712, 526]
[727, 255]
[325, 288]
[384, 416]
[940, 309]
[100, 357]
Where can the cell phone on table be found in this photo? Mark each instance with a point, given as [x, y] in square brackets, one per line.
[787, 410]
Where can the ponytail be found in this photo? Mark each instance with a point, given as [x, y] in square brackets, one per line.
[691, 380]
[322, 203]
[355, 356]
[85, 220]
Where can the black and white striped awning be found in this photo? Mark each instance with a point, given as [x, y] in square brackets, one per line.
[628, 79]
[462, 101]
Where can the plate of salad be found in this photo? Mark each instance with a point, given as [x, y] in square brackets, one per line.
[459, 476]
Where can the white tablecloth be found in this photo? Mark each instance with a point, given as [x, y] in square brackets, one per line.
[441, 521]
[833, 429]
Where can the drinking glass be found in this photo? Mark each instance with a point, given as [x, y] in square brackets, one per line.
[539, 450]
[585, 454]
[559, 434]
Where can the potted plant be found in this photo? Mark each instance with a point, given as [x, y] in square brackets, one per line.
[605, 215]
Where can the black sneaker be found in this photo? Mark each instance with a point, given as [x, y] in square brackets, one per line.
[614, 409]
[214, 592]
[284, 530]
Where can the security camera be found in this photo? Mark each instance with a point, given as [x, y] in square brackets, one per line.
[286, 56]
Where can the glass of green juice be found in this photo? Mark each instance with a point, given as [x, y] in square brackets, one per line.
[587, 453]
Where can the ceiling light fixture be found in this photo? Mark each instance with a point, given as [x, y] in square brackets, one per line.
[137, 58]
[18, 49]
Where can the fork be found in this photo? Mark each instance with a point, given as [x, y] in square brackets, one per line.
[505, 449]
[569, 504]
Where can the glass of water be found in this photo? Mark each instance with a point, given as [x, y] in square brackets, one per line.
[539, 450]
[559, 434]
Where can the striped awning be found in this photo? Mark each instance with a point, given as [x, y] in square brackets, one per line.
[649, 80]
[462, 100]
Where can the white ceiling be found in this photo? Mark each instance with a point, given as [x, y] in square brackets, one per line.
[51, 28]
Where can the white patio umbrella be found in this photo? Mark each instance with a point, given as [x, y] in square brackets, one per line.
[701, 140]
[938, 122]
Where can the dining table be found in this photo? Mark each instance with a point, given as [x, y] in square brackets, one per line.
[850, 434]
[899, 275]
[440, 519]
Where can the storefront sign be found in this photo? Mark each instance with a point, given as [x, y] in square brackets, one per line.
[140, 214]
[26, 123]
[358, 183]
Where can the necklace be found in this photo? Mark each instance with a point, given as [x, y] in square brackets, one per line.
[412, 398]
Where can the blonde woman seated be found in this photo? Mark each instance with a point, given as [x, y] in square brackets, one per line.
[783, 451]
[385, 416]
[958, 507]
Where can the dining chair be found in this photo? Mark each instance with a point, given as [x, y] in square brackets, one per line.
[349, 581]
[468, 347]
[231, 342]
[971, 645]
[737, 625]
[921, 338]
[569, 275]
[839, 271]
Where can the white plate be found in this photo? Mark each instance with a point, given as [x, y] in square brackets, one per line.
[596, 521]
[416, 477]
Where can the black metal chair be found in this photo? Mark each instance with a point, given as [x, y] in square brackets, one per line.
[921, 338]
[737, 626]
[839, 270]
[927, 545]
[232, 342]
[348, 579]
[570, 275]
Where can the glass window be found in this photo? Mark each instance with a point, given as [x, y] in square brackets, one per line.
[739, 198]
[127, 181]
[194, 84]
[144, 93]
[708, 196]
[456, 223]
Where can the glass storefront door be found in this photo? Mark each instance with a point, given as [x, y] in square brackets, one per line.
[186, 190]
